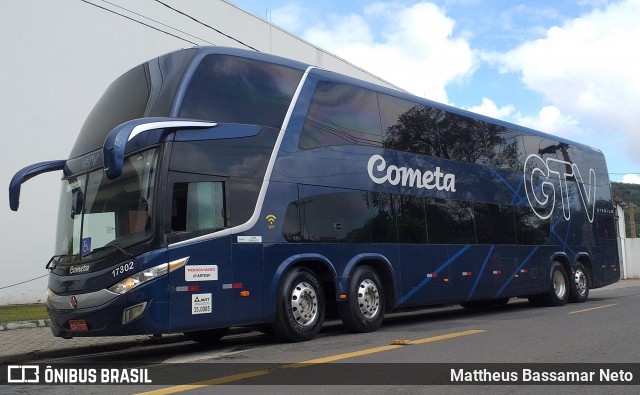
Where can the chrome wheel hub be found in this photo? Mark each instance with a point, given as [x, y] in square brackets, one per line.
[304, 304]
[368, 298]
[581, 282]
[559, 285]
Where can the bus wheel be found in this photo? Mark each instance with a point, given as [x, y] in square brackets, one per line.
[558, 293]
[579, 285]
[207, 336]
[301, 306]
[364, 310]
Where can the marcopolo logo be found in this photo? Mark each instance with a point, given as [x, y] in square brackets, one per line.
[540, 177]
[380, 173]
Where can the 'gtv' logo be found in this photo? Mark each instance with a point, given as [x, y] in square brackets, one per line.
[538, 177]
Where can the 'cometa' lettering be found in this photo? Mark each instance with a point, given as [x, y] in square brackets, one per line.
[380, 173]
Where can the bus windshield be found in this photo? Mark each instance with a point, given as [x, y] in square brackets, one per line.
[96, 212]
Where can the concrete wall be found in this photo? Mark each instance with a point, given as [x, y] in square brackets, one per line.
[632, 258]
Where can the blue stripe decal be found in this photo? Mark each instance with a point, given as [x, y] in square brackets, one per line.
[516, 195]
[438, 270]
[486, 260]
[517, 270]
[521, 200]
[564, 242]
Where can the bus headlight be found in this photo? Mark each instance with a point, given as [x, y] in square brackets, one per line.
[144, 276]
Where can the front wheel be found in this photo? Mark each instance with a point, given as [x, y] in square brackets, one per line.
[301, 307]
[579, 285]
[364, 310]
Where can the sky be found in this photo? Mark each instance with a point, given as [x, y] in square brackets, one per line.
[568, 68]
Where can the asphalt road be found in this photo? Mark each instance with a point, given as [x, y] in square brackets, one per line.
[408, 346]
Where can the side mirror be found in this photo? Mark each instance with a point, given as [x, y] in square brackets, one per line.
[27, 173]
[114, 145]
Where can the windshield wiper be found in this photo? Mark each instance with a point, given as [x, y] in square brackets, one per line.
[122, 250]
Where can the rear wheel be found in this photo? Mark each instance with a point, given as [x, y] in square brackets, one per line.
[364, 310]
[558, 293]
[301, 306]
[207, 336]
[579, 285]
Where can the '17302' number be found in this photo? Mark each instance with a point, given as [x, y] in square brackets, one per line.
[122, 269]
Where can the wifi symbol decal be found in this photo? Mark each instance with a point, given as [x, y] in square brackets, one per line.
[271, 220]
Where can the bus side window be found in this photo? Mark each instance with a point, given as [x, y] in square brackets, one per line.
[341, 114]
[198, 207]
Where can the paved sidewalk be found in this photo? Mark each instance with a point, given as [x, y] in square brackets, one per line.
[33, 340]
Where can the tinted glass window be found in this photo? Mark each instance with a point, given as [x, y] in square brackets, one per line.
[508, 152]
[449, 222]
[244, 193]
[494, 224]
[530, 229]
[412, 221]
[239, 90]
[607, 227]
[198, 206]
[470, 140]
[237, 157]
[342, 216]
[291, 225]
[544, 147]
[383, 218]
[410, 127]
[108, 212]
[125, 99]
[244, 160]
[341, 114]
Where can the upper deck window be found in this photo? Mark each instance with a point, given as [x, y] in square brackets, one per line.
[341, 114]
[125, 99]
[232, 89]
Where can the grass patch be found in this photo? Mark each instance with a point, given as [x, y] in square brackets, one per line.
[23, 312]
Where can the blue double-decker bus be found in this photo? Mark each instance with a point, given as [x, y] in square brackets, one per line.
[214, 187]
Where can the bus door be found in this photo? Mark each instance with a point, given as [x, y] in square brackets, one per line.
[198, 294]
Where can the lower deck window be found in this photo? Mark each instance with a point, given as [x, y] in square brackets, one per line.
[197, 206]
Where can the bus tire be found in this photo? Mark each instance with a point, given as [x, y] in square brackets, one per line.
[558, 293]
[579, 285]
[207, 336]
[301, 306]
[364, 310]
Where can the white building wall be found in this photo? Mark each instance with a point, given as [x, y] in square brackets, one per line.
[58, 57]
[632, 255]
[622, 232]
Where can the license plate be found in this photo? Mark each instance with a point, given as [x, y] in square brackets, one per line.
[78, 326]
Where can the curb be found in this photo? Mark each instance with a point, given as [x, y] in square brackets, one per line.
[5, 326]
[116, 345]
